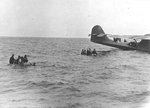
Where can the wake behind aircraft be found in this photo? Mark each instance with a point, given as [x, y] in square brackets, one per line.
[125, 42]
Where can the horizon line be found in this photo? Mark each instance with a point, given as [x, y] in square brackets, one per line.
[37, 37]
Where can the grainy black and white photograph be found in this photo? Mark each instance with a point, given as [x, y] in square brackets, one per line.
[74, 54]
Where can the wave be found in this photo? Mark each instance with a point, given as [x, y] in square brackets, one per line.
[72, 105]
[43, 84]
[134, 98]
[106, 52]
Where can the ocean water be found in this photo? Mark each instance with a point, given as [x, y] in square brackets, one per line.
[63, 78]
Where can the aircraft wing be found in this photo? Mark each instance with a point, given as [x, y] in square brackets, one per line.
[141, 36]
[125, 36]
[130, 36]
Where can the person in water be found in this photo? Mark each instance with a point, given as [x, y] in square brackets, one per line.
[83, 52]
[21, 60]
[94, 52]
[25, 59]
[11, 60]
[89, 52]
[17, 61]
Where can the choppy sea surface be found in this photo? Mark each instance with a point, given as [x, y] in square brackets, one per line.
[62, 78]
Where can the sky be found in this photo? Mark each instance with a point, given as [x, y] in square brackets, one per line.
[73, 18]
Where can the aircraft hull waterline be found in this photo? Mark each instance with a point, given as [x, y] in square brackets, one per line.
[98, 36]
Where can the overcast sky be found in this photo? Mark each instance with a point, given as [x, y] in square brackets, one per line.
[73, 18]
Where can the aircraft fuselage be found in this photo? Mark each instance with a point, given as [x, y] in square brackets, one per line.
[98, 36]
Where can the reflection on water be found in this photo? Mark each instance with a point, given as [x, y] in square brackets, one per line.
[65, 79]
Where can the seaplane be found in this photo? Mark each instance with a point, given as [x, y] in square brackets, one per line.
[124, 42]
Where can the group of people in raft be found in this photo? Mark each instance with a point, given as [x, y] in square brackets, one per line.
[88, 52]
[20, 60]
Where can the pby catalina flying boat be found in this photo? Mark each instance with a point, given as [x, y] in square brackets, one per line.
[130, 42]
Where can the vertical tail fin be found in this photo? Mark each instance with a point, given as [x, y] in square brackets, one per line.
[96, 30]
[98, 35]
